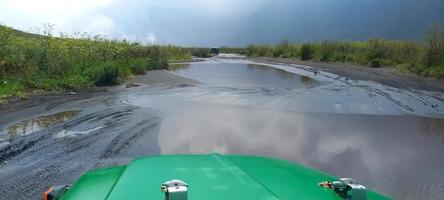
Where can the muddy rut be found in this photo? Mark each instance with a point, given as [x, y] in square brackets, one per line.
[96, 136]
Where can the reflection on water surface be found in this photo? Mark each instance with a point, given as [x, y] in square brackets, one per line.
[29, 126]
[242, 75]
[389, 139]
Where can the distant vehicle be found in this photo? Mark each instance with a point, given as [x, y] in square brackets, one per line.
[215, 51]
[213, 176]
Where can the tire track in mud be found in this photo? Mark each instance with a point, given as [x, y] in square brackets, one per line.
[101, 133]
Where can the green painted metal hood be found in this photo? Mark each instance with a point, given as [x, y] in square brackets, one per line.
[211, 176]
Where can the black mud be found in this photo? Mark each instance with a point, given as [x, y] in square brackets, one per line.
[96, 135]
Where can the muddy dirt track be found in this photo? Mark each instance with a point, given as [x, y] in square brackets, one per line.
[95, 137]
[361, 129]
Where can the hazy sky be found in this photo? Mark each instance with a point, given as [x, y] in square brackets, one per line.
[228, 22]
[163, 21]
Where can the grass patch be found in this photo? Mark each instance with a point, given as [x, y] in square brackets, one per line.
[43, 62]
[11, 87]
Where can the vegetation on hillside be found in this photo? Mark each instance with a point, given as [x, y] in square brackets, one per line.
[422, 58]
[43, 62]
[30, 62]
[236, 50]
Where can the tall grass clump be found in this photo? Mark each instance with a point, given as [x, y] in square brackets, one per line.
[434, 54]
[260, 51]
[307, 51]
[44, 62]
[200, 52]
[107, 74]
[235, 50]
[139, 66]
[286, 50]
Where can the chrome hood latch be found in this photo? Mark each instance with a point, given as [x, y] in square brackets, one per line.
[175, 190]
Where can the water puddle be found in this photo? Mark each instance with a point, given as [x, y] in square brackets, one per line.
[69, 133]
[29, 126]
[381, 151]
[243, 75]
[380, 135]
[303, 89]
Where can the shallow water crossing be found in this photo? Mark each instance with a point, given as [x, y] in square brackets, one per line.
[389, 139]
[384, 137]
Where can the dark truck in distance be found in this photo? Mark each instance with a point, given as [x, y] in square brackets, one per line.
[215, 51]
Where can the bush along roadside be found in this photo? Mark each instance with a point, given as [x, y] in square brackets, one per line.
[31, 62]
[422, 58]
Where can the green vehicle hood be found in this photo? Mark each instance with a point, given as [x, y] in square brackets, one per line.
[214, 176]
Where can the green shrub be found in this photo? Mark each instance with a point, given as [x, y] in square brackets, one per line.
[138, 69]
[327, 51]
[260, 51]
[307, 52]
[434, 54]
[200, 52]
[375, 63]
[282, 50]
[139, 66]
[234, 50]
[105, 73]
[158, 59]
[10, 86]
[74, 82]
[108, 75]
[174, 53]
[377, 50]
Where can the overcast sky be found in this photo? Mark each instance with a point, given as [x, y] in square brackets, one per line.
[228, 22]
[162, 21]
